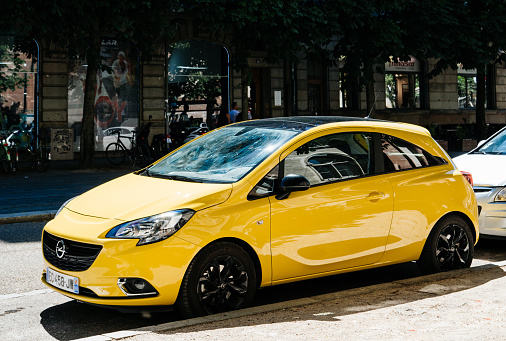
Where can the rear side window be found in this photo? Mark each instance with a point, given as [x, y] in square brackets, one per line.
[332, 158]
[402, 155]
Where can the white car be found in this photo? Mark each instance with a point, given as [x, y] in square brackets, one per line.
[110, 136]
[486, 163]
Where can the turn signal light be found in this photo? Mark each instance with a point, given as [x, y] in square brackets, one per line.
[468, 177]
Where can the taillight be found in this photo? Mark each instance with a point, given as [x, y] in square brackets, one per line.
[468, 177]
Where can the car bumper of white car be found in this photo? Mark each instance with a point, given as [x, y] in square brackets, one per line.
[492, 214]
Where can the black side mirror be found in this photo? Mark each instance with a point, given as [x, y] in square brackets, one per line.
[292, 183]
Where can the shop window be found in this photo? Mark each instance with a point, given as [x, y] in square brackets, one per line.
[116, 92]
[18, 86]
[403, 83]
[402, 91]
[197, 82]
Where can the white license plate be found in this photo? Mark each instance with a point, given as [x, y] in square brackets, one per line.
[62, 281]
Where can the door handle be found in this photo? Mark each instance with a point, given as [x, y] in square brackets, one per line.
[375, 196]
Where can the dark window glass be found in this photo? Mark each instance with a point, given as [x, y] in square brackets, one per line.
[266, 186]
[400, 155]
[332, 157]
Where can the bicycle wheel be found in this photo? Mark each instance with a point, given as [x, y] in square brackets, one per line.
[142, 156]
[25, 158]
[115, 153]
[42, 161]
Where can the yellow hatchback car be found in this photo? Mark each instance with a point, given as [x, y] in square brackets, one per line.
[260, 203]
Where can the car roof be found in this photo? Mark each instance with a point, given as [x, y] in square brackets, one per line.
[303, 123]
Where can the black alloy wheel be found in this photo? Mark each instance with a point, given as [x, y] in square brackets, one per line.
[450, 246]
[219, 279]
[452, 250]
[222, 285]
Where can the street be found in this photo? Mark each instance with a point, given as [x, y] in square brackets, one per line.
[29, 310]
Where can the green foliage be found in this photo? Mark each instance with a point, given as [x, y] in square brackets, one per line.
[10, 67]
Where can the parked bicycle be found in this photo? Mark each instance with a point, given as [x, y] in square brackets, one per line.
[30, 154]
[8, 155]
[116, 152]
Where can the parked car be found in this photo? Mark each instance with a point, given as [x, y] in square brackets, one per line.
[259, 203]
[486, 164]
[196, 133]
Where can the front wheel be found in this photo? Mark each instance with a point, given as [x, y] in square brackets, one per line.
[115, 153]
[450, 246]
[222, 277]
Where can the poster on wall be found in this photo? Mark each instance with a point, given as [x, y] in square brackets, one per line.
[116, 94]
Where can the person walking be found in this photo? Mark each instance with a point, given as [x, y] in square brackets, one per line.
[234, 112]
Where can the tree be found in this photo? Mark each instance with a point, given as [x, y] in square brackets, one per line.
[78, 27]
[283, 29]
[10, 66]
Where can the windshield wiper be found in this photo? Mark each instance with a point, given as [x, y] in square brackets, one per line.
[175, 177]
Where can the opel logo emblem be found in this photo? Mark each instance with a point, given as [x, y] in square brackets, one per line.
[60, 249]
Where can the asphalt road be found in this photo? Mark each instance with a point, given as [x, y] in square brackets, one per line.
[31, 311]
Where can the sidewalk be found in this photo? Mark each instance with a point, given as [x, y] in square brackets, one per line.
[36, 196]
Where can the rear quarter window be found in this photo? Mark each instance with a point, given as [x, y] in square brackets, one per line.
[399, 155]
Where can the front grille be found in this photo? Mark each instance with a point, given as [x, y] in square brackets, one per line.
[77, 257]
[482, 189]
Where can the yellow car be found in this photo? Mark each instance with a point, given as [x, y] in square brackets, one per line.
[260, 203]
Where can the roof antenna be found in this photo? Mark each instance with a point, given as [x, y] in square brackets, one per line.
[373, 105]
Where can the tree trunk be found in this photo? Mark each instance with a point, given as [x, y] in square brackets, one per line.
[87, 152]
[481, 123]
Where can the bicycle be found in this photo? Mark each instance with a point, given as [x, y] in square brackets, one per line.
[8, 155]
[30, 155]
[138, 153]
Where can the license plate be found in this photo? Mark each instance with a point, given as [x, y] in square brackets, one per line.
[62, 281]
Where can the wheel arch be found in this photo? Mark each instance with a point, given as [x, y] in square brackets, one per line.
[246, 247]
[463, 216]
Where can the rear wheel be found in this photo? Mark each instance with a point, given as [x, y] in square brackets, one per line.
[115, 153]
[449, 246]
[142, 156]
[42, 158]
[222, 277]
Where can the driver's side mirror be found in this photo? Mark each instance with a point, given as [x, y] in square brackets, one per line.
[292, 183]
[481, 143]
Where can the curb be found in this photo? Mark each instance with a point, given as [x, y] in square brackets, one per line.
[164, 327]
[26, 217]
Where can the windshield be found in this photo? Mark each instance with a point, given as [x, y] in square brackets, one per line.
[225, 155]
[497, 145]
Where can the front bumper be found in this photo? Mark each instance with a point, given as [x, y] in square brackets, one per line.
[162, 264]
[492, 215]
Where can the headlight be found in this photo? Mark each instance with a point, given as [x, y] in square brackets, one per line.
[501, 196]
[63, 206]
[152, 229]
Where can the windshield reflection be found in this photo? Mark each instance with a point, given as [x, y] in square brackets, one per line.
[496, 146]
[225, 155]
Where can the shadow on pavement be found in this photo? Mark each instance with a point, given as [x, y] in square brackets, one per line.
[22, 232]
[76, 320]
[493, 250]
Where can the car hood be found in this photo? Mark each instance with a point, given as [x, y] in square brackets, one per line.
[134, 196]
[487, 170]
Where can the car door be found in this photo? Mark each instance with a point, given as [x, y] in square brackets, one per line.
[342, 220]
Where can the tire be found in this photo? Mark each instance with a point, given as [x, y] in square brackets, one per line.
[450, 246]
[115, 153]
[25, 159]
[42, 158]
[204, 292]
[142, 156]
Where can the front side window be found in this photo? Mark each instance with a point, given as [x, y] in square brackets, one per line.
[331, 158]
[401, 155]
[223, 156]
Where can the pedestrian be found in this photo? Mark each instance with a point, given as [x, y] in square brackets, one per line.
[234, 112]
